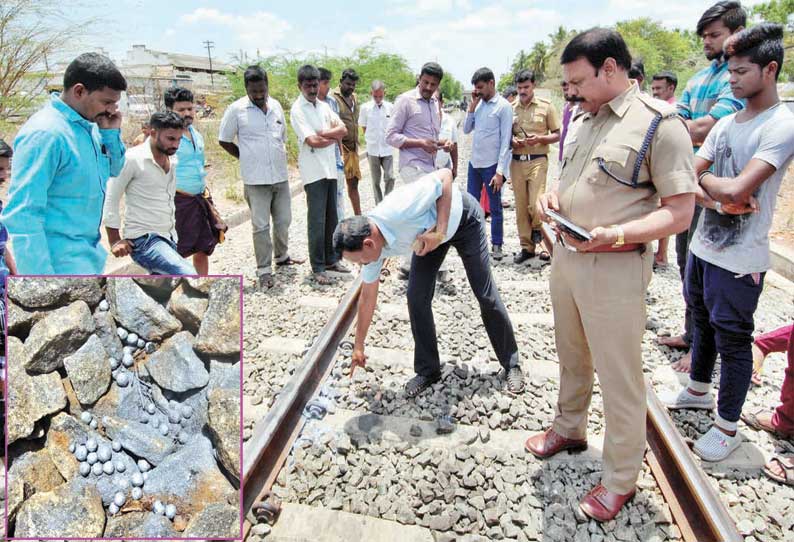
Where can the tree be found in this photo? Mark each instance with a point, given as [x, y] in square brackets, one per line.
[780, 11]
[32, 33]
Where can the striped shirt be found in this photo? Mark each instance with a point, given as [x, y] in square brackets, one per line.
[708, 92]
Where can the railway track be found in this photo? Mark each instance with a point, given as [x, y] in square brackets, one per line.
[277, 442]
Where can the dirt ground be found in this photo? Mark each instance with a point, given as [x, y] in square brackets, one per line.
[783, 224]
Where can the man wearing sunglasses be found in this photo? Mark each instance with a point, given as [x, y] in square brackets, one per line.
[627, 177]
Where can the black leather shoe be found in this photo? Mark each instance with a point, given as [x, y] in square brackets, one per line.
[523, 256]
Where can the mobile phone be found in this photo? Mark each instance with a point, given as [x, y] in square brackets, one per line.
[569, 227]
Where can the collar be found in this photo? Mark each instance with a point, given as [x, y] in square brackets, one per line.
[192, 133]
[494, 98]
[418, 95]
[719, 63]
[149, 155]
[67, 111]
[533, 101]
[620, 103]
[304, 102]
[249, 103]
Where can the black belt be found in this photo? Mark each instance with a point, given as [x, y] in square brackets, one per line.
[527, 157]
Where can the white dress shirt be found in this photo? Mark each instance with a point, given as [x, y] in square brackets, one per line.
[375, 118]
[148, 196]
[261, 138]
[307, 119]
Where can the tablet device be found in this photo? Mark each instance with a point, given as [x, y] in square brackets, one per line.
[572, 229]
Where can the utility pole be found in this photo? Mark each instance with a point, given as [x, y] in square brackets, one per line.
[210, 45]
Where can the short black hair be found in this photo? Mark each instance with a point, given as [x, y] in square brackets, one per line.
[325, 74]
[523, 76]
[349, 73]
[94, 72]
[433, 69]
[5, 150]
[637, 70]
[254, 74]
[307, 72]
[509, 91]
[164, 120]
[350, 233]
[730, 12]
[762, 44]
[483, 74]
[177, 94]
[666, 76]
[596, 45]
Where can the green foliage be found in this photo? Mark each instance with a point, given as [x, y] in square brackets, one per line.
[780, 11]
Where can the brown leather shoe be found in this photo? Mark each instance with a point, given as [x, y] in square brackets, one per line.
[603, 505]
[544, 445]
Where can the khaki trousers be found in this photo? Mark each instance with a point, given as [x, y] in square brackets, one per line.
[529, 181]
[599, 320]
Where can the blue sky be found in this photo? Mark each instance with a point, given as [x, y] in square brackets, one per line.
[462, 35]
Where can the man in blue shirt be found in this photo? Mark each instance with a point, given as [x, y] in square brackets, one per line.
[427, 217]
[193, 217]
[64, 155]
[491, 118]
[706, 99]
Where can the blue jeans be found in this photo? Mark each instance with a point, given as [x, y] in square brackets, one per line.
[158, 255]
[722, 322]
[477, 178]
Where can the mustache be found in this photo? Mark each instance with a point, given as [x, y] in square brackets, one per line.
[574, 99]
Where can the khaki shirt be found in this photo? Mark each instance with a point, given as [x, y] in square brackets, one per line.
[538, 117]
[349, 119]
[589, 197]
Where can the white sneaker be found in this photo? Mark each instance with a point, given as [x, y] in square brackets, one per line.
[685, 399]
[716, 445]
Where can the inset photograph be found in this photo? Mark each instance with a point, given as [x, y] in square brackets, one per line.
[123, 409]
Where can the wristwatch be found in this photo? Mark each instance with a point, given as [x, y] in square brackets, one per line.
[718, 207]
[621, 239]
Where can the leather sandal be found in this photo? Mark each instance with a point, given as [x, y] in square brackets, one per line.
[419, 383]
[786, 464]
[753, 419]
[603, 505]
[290, 261]
[549, 443]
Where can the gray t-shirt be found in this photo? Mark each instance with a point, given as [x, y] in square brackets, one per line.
[740, 243]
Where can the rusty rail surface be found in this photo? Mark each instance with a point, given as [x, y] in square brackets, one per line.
[694, 503]
[270, 444]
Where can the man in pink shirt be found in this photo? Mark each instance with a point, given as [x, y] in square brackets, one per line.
[663, 86]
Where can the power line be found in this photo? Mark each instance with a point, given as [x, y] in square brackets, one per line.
[210, 45]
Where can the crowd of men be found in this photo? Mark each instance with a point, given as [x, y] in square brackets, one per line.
[634, 169]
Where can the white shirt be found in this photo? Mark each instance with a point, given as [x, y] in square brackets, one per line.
[449, 130]
[261, 138]
[376, 119]
[307, 119]
[148, 195]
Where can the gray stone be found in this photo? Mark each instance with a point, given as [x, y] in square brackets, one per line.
[56, 335]
[139, 313]
[106, 331]
[89, 371]
[30, 473]
[69, 511]
[159, 288]
[224, 425]
[219, 334]
[191, 474]
[215, 520]
[139, 439]
[34, 293]
[175, 366]
[30, 397]
[20, 320]
[188, 306]
[140, 525]
[202, 284]
[224, 375]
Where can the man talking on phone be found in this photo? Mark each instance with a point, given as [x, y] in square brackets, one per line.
[491, 118]
[627, 177]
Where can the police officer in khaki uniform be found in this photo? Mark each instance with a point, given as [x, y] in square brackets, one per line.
[536, 125]
[627, 178]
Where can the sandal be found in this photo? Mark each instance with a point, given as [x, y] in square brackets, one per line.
[752, 420]
[544, 255]
[323, 279]
[786, 465]
[418, 384]
[290, 261]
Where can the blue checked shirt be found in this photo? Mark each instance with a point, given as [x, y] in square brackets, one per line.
[708, 92]
[332, 103]
[61, 167]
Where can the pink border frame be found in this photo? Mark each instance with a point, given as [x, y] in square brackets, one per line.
[5, 392]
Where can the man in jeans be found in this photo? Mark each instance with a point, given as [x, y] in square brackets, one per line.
[148, 184]
[428, 217]
[258, 123]
[374, 118]
[318, 130]
[490, 117]
[729, 254]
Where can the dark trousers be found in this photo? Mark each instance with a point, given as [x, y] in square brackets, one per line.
[479, 177]
[321, 219]
[472, 245]
[722, 317]
[682, 241]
